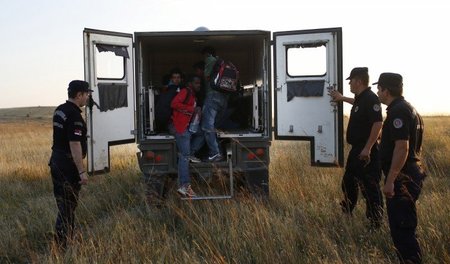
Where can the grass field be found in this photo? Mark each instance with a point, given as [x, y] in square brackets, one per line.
[301, 223]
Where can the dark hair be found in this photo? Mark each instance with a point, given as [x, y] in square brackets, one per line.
[364, 78]
[72, 94]
[394, 91]
[176, 71]
[208, 50]
[192, 77]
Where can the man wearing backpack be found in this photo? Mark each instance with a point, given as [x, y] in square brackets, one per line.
[214, 106]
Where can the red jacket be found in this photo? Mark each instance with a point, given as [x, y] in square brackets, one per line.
[182, 113]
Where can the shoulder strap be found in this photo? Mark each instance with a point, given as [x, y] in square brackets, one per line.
[188, 96]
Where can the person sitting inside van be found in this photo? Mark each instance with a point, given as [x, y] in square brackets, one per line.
[163, 111]
[183, 106]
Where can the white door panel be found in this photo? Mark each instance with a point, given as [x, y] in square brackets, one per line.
[308, 64]
[110, 74]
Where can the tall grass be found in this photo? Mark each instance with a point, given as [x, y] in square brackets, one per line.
[301, 223]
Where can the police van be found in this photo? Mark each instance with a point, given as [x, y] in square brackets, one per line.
[285, 78]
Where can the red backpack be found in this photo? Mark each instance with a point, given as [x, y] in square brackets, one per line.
[224, 77]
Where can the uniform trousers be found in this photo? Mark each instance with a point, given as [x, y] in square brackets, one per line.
[366, 177]
[402, 214]
[66, 188]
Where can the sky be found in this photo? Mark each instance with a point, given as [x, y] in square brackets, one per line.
[41, 43]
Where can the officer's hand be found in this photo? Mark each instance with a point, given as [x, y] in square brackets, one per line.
[365, 156]
[83, 179]
[335, 95]
[388, 190]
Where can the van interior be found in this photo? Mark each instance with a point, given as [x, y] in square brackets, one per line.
[160, 53]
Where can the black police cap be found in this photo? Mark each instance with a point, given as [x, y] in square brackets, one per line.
[79, 86]
[389, 79]
[358, 72]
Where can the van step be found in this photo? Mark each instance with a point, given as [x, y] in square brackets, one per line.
[221, 164]
[207, 197]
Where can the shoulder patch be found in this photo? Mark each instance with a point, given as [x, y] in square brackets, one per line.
[78, 132]
[398, 123]
[56, 124]
[61, 114]
[376, 107]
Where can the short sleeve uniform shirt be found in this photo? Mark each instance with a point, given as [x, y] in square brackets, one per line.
[68, 125]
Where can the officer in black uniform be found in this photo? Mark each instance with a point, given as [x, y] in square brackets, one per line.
[363, 165]
[401, 144]
[66, 162]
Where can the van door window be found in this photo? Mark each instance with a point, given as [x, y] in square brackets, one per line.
[306, 60]
[110, 62]
[110, 68]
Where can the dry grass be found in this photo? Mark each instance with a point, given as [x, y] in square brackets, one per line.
[300, 224]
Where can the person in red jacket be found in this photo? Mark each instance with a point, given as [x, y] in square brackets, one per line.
[183, 107]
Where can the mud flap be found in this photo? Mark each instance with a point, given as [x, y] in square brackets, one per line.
[257, 182]
[157, 187]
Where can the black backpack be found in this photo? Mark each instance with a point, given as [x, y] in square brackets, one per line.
[224, 77]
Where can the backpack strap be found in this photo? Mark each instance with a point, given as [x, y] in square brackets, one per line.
[188, 95]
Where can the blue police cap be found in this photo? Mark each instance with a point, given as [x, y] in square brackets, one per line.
[389, 80]
[79, 86]
[358, 72]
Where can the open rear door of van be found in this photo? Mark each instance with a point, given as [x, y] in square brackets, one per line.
[108, 67]
[308, 64]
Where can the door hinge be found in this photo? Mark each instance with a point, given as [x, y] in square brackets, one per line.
[133, 132]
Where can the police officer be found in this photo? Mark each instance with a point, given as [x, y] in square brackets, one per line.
[363, 166]
[66, 162]
[401, 144]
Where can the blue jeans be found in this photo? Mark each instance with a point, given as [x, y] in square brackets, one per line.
[213, 109]
[197, 141]
[183, 143]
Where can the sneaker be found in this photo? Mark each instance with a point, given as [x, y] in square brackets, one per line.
[215, 158]
[194, 159]
[186, 191]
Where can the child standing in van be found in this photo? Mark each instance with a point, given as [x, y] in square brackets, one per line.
[183, 106]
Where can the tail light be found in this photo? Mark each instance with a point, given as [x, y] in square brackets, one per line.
[152, 156]
[260, 152]
[251, 156]
[256, 154]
